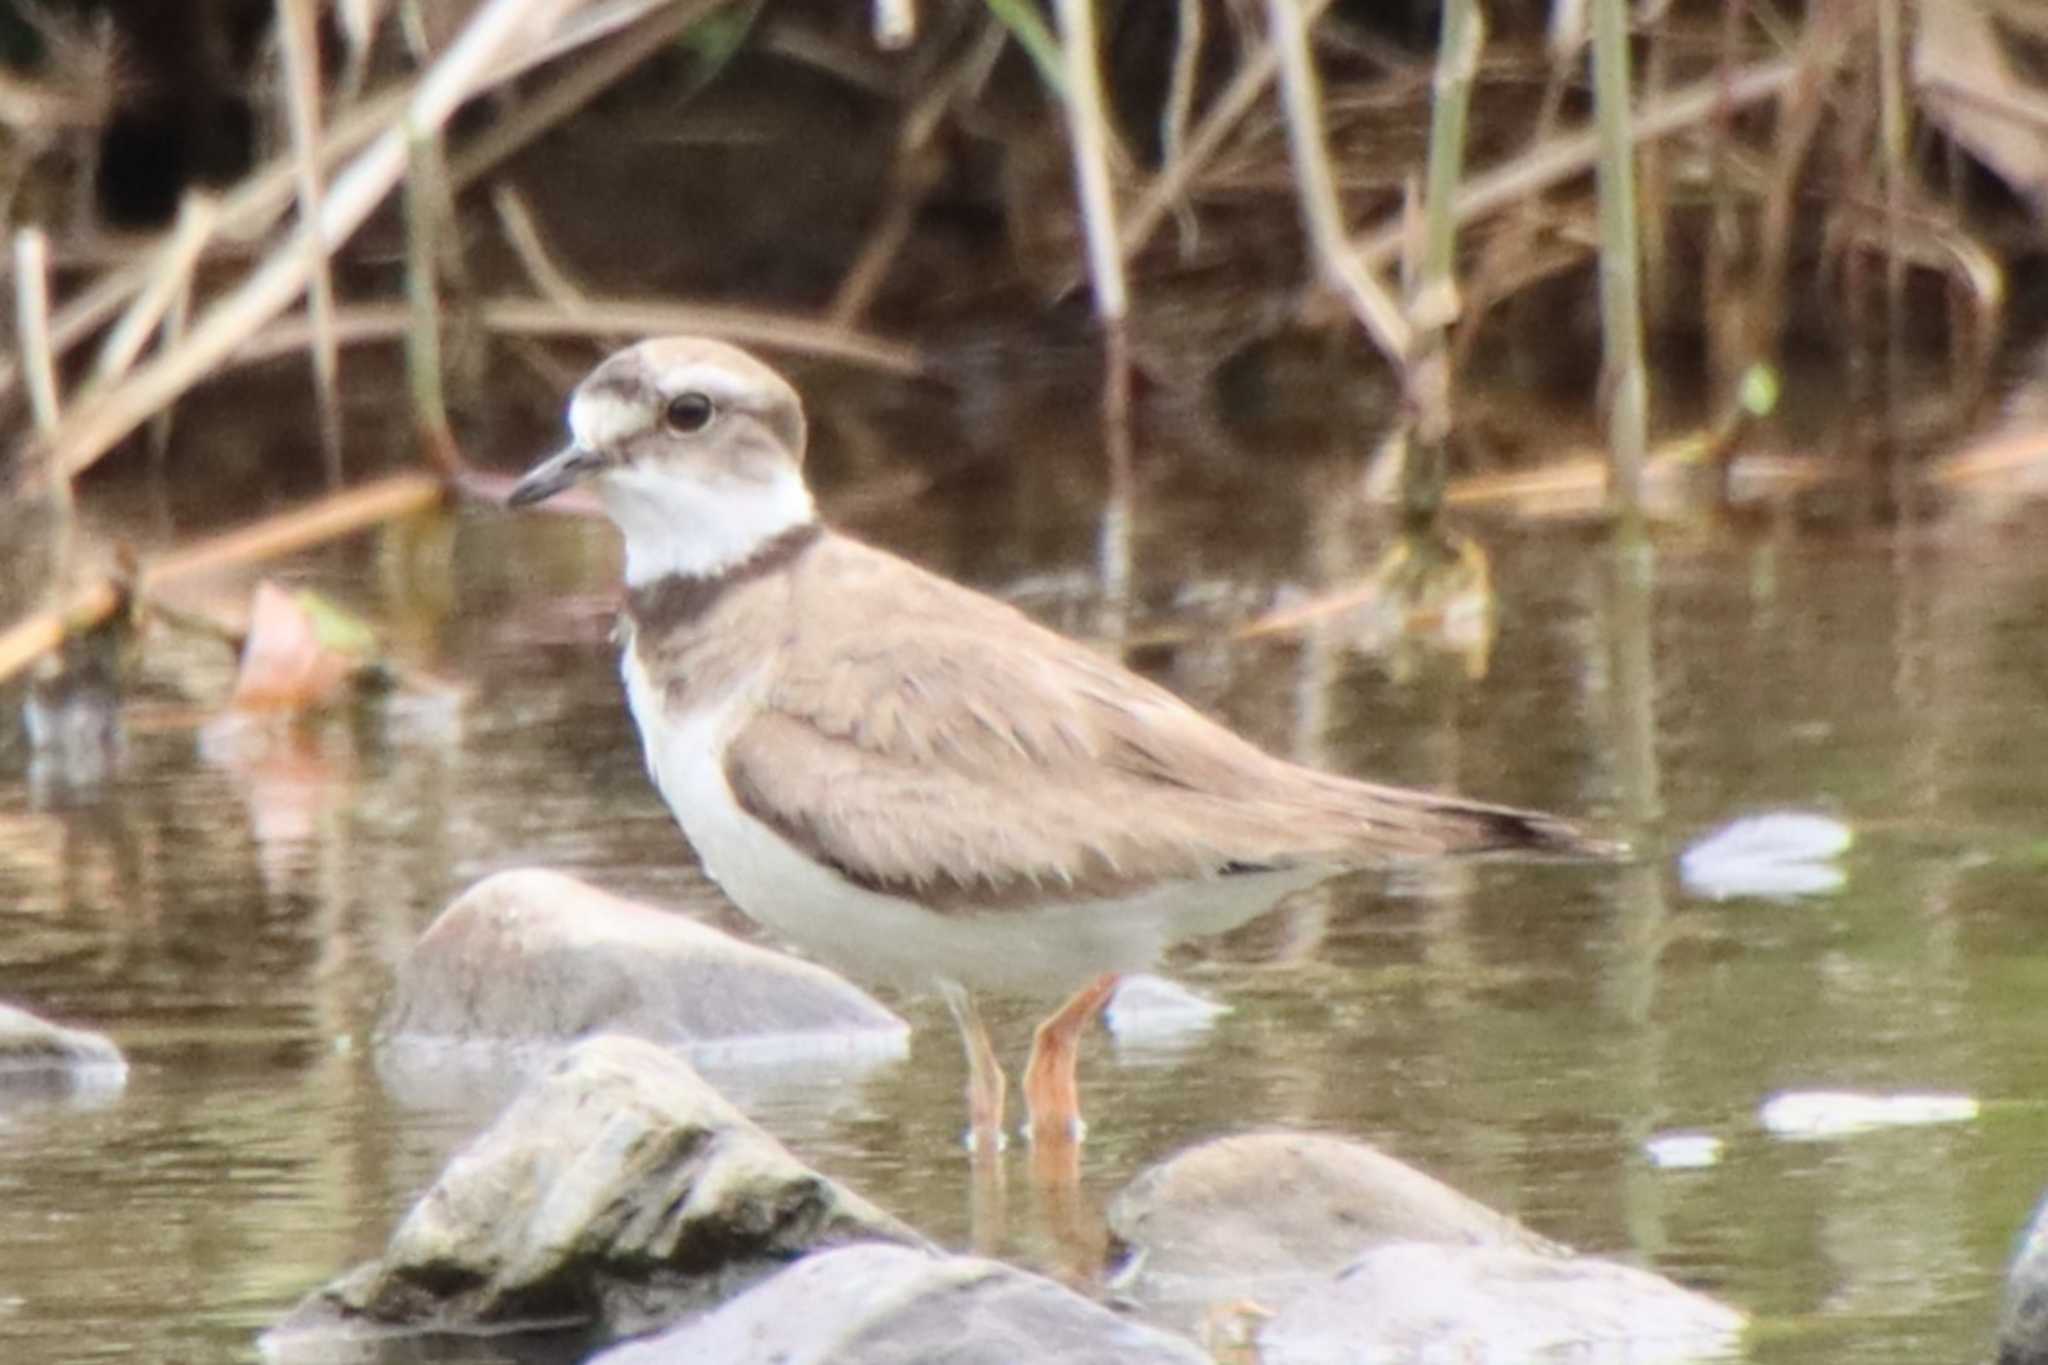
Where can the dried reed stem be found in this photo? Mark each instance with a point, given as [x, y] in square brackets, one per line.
[594, 72]
[477, 55]
[1088, 126]
[247, 212]
[1316, 183]
[912, 173]
[1891, 59]
[197, 215]
[252, 209]
[299, 40]
[1254, 73]
[1434, 304]
[425, 195]
[32, 332]
[515, 220]
[336, 515]
[609, 317]
[32, 328]
[1562, 158]
[1621, 318]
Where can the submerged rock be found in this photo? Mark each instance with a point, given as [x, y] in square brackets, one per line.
[2023, 1327]
[1781, 855]
[617, 1193]
[1346, 1254]
[886, 1305]
[1424, 1302]
[1151, 1011]
[1239, 1209]
[1811, 1115]
[42, 1060]
[531, 956]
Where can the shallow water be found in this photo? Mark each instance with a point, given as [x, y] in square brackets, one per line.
[230, 906]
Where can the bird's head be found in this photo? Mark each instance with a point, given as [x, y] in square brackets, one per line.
[695, 449]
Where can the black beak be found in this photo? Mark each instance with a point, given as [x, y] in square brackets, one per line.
[554, 474]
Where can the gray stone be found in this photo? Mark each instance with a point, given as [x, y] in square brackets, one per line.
[884, 1305]
[1237, 1210]
[42, 1060]
[617, 1193]
[2023, 1328]
[533, 956]
[1417, 1301]
[1316, 1249]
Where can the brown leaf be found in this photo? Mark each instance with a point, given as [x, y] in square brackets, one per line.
[285, 667]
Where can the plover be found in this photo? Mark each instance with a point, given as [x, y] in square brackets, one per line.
[896, 770]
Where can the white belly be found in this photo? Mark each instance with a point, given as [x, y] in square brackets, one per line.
[881, 938]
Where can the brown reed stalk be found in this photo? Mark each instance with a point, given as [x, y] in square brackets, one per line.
[336, 515]
[32, 332]
[1433, 305]
[912, 175]
[198, 213]
[299, 41]
[1337, 262]
[425, 227]
[32, 329]
[1561, 158]
[1621, 317]
[1088, 129]
[602, 317]
[478, 55]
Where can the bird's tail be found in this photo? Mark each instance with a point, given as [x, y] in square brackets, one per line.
[1449, 825]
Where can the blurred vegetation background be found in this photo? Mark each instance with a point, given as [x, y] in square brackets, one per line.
[373, 214]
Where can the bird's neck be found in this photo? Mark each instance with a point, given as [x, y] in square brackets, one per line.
[678, 530]
[662, 606]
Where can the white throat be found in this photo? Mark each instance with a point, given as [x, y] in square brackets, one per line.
[677, 526]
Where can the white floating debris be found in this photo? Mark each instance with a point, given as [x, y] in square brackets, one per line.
[1807, 1114]
[1683, 1151]
[1149, 1008]
[1774, 856]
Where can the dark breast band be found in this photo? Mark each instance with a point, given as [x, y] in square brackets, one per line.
[681, 600]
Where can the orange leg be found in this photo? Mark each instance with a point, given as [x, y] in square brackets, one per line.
[1049, 1088]
[985, 1081]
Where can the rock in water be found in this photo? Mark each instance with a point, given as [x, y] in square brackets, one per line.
[40, 1060]
[885, 1305]
[535, 956]
[2023, 1329]
[1346, 1254]
[617, 1193]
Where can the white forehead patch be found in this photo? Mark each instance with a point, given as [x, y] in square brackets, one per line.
[601, 418]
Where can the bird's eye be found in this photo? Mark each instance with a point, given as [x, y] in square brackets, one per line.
[688, 412]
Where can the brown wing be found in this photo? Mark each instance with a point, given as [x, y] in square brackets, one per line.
[958, 750]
